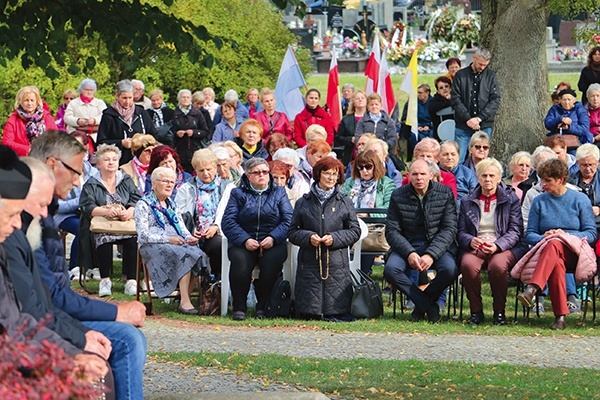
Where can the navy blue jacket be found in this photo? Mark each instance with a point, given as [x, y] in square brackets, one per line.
[580, 125]
[51, 259]
[250, 215]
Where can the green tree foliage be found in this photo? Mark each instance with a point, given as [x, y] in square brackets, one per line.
[168, 44]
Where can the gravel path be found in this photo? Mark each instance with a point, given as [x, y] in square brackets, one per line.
[562, 351]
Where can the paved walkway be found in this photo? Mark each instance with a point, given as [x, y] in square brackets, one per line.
[163, 336]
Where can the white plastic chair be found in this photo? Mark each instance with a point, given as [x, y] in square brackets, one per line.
[355, 261]
[446, 129]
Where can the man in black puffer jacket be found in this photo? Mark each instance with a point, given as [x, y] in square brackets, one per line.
[421, 230]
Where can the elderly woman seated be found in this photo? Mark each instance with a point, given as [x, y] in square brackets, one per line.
[113, 195]
[141, 147]
[201, 200]
[224, 168]
[465, 177]
[562, 248]
[587, 178]
[166, 156]
[490, 233]
[568, 117]
[250, 140]
[298, 181]
[281, 176]
[520, 168]
[479, 149]
[165, 244]
[255, 223]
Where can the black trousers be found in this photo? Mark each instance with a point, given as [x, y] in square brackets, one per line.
[240, 274]
[104, 256]
[212, 248]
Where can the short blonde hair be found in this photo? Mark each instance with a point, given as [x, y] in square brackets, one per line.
[156, 92]
[198, 98]
[519, 156]
[479, 136]
[233, 145]
[377, 142]
[203, 156]
[315, 130]
[427, 145]
[107, 148]
[486, 163]
[24, 91]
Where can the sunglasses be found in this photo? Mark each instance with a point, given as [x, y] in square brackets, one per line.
[366, 167]
[258, 173]
[68, 98]
[443, 87]
[479, 147]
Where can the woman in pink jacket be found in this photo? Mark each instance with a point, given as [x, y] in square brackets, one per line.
[28, 121]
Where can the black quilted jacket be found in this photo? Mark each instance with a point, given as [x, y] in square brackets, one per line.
[441, 219]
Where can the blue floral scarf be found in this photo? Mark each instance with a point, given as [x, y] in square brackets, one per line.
[160, 212]
[207, 201]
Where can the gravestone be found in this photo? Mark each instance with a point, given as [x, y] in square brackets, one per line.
[550, 46]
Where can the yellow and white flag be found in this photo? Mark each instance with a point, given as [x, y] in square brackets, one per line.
[409, 85]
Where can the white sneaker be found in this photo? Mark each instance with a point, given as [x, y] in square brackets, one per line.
[93, 274]
[143, 286]
[105, 288]
[131, 287]
[74, 274]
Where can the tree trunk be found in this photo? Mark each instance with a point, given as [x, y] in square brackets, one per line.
[514, 31]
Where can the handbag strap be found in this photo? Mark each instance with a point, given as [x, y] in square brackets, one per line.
[365, 276]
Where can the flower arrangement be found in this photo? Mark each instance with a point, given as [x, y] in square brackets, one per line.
[568, 54]
[30, 371]
[441, 22]
[429, 51]
[351, 45]
[465, 31]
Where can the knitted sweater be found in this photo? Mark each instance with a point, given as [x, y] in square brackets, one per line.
[571, 212]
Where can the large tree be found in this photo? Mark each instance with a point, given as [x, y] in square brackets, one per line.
[514, 31]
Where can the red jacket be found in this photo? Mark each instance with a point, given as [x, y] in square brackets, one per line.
[306, 119]
[15, 136]
[448, 179]
[281, 124]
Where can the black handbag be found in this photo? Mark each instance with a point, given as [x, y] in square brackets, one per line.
[366, 300]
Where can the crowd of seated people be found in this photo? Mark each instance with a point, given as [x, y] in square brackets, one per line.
[193, 172]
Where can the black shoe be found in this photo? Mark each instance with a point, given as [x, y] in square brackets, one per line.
[476, 318]
[417, 315]
[433, 313]
[239, 315]
[260, 314]
[499, 318]
[187, 311]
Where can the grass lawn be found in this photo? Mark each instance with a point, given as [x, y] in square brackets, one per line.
[319, 81]
[378, 379]
[401, 323]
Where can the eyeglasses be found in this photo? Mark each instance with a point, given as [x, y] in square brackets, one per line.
[367, 167]
[166, 182]
[67, 166]
[258, 173]
[330, 174]
[68, 98]
[592, 165]
[479, 147]
[443, 87]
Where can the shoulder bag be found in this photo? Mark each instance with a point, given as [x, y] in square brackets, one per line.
[367, 301]
[375, 240]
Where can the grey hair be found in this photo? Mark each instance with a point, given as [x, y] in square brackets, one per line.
[587, 150]
[210, 91]
[160, 172]
[539, 155]
[286, 152]
[182, 91]
[39, 171]
[86, 83]
[594, 87]
[55, 144]
[253, 162]
[231, 95]
[434, 170]
[348, 86]
[479, 136]
[450, 143]
[221, 153]
[483, 53]
[107, 148]
[138, 82]
[124, 86]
